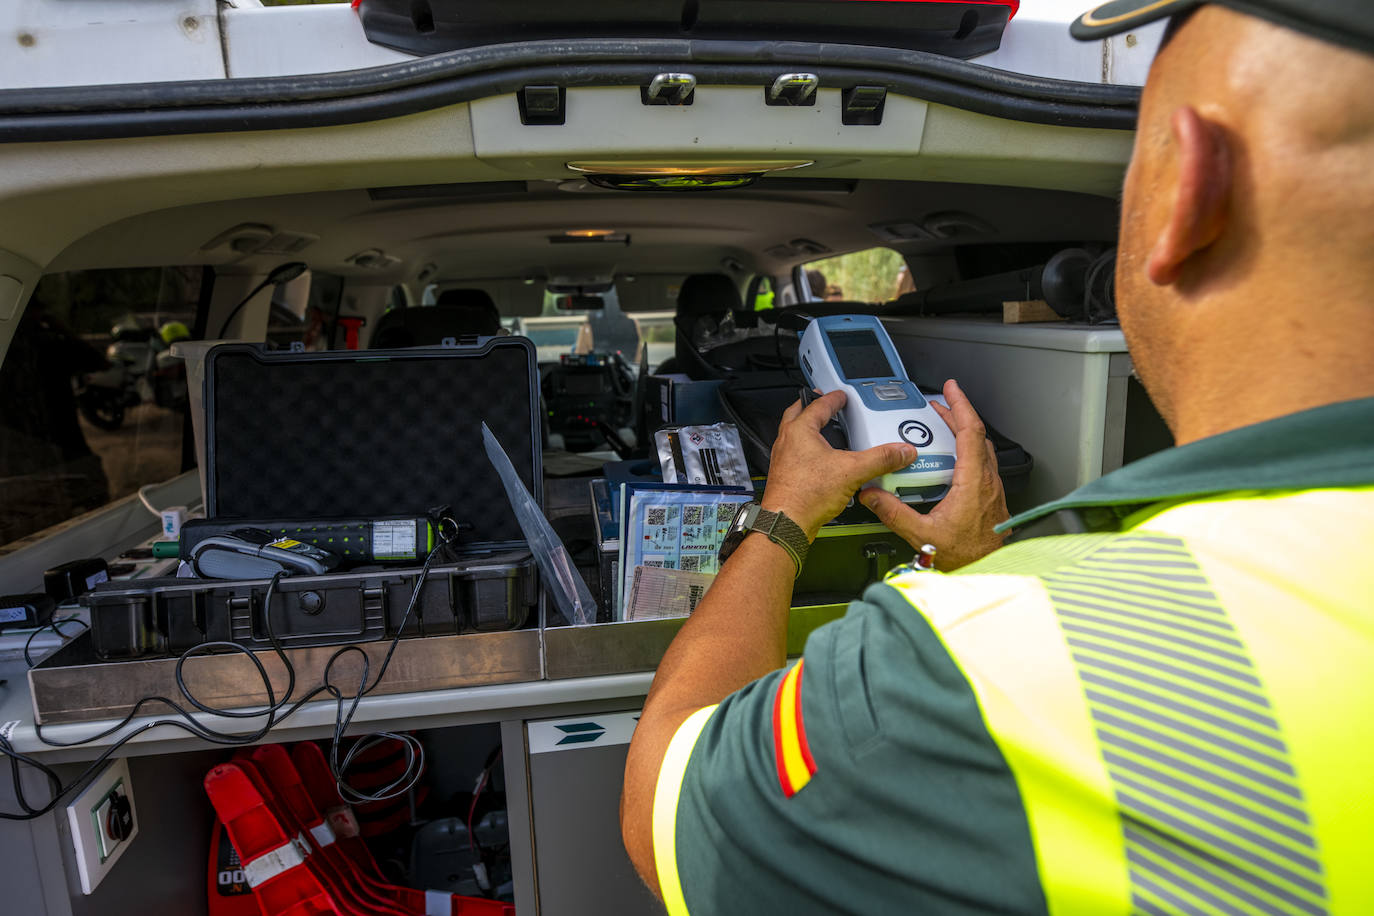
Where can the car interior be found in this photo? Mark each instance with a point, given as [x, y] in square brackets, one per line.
[659, 261]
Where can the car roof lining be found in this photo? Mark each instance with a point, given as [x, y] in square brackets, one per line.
[507, 234]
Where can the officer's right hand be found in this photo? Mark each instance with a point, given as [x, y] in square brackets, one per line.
[960, 526]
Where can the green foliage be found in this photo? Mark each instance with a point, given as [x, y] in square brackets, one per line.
[863, 276]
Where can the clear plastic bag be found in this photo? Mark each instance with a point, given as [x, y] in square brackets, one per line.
[561, 578]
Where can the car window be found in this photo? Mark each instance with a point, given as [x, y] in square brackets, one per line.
[872, 275]
[92, 404]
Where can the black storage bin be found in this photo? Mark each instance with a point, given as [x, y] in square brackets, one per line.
[756, 405]
[353, 434]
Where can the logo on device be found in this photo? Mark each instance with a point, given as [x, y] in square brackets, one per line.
[916, 432]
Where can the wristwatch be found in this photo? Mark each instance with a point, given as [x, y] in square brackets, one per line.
[777, 527]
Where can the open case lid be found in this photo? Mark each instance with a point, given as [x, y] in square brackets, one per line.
[953, 28]
[372, 432]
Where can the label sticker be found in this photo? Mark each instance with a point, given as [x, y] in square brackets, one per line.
[93, 581]
[581, 732]
[393, 540]
[230, 881]
[285, 544]
[14, 614]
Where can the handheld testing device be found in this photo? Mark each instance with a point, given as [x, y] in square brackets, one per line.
[853, 353]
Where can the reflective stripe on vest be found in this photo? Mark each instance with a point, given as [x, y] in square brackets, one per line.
[1183, 705]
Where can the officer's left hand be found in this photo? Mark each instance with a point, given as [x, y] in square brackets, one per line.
[961, 525]
[812, 482]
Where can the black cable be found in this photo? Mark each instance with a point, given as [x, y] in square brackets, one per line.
[777, 348]
[414, 750]
[224, 326]
[55, 626]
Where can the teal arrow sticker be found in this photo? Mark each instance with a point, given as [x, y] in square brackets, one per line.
[580, 732]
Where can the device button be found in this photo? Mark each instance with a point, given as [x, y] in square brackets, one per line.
[889, 392]
[916, 432]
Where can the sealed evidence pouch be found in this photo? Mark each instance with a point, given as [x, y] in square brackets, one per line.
[353, 435]
[702, 455]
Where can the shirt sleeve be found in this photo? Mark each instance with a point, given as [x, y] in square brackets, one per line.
[862, 779]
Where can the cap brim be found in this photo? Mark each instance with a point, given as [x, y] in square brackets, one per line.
[1118, 16]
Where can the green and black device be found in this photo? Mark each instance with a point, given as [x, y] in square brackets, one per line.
[386, 539]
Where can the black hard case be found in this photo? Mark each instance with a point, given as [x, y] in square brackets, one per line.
[353, 434]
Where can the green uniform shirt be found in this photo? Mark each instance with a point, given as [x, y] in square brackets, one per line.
[1169, 718]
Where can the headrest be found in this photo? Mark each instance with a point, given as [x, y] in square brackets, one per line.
[708, 294]
[473, 298]
[427, 326]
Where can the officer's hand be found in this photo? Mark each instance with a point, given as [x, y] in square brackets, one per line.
[960, 526]
[812, 482]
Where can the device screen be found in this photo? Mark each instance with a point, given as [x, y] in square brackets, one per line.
[860, 354]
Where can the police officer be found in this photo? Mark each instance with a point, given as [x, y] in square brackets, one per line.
[1167, 713]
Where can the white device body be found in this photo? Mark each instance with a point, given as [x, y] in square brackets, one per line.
[854, 354]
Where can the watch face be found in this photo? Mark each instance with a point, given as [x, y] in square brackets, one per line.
[739, 527]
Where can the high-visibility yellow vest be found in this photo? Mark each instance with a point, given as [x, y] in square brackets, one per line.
[1186, 705]
[1170, 715]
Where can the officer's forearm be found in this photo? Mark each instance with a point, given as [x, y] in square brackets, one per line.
[737, 634]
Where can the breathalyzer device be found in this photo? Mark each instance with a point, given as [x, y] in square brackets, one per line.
[855, 354]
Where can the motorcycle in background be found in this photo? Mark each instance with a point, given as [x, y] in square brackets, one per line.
[140, 370]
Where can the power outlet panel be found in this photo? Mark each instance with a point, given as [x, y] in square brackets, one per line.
[103, 823]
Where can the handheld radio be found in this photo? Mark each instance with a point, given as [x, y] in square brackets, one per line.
[853, 353]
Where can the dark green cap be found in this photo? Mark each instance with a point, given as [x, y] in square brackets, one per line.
[1345, 22]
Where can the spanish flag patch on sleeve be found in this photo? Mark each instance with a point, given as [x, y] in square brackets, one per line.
[793, 755]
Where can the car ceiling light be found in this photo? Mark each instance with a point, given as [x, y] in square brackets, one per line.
[591, 237]
[672, 182]
[669, 168]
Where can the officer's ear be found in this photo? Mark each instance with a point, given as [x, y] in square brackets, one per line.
[1201, 195]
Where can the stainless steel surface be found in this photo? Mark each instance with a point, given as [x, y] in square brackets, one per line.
[619, 648]
[90, 689]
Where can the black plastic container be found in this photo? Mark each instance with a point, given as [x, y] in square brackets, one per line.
[162, 617]
[353, 434]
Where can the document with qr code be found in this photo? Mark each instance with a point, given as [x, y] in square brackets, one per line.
[675, 530]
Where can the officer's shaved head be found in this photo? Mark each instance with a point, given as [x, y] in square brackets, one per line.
[1246, 282]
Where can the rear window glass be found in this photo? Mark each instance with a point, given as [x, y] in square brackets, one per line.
[873, 275]
[92, 405]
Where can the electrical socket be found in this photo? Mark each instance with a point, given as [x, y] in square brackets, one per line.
[98, 843]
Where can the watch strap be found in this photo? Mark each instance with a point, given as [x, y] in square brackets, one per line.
[784, 532]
